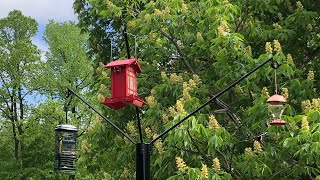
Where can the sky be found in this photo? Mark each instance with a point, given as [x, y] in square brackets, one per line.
[42, 11]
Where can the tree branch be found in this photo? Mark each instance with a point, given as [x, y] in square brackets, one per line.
[79, 84]
[25, 94]
[193, 141]
[282, 170]
[193, 152]
[312, 54]
[5, 84]
[6, 114]
[239, 26]
[4, 99]
[175, 43]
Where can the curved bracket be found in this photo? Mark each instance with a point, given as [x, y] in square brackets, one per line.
[275, 64]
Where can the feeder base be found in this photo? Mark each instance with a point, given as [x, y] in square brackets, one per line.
[278, 122]
[121, 102]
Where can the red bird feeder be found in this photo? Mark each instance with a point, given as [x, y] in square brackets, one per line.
[276, 103]
[124, 84]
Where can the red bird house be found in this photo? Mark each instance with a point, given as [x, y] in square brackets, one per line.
[124, 84]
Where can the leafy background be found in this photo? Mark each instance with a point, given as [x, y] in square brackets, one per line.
[189, 51]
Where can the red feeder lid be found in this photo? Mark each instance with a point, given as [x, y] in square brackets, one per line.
[276, 98]
[127, 62]
[278, 122]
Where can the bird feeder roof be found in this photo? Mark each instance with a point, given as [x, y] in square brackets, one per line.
[126, 62]
[276, 98]
[66, 127]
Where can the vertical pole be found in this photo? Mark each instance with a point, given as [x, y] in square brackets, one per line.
[125, 35]
[66, 110]
[143, 152]
[139, 125]
[146, 160]
[139, 161]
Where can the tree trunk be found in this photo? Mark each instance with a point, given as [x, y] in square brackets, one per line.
[13, 122]
[19, 125]
[16, 142]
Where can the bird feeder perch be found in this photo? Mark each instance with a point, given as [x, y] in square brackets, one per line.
[66, 138]
[276, 107]
[124, 84]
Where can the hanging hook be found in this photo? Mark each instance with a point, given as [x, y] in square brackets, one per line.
[275, 81]
[65, 108]
[275, 65]
[66, 103]
[135, 47]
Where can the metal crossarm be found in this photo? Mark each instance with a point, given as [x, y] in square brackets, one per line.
[213, 98]
[101, 115]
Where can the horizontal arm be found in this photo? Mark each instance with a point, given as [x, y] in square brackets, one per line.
[213, 98]
[101, 115]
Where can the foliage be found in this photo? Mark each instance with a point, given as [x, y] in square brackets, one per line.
[19, 67]
[200, 47]
[29, 150]
[189, 51]
[67, 61]
[67, 66]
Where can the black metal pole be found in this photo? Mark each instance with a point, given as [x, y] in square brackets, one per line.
[139, 161]
[143, 150]
[66, 110]
[139, 125]
[125, 35]
[146, 160]
[212, 99]
[101, 115]
[143, 153]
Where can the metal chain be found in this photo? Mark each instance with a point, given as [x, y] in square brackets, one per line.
[111, 57]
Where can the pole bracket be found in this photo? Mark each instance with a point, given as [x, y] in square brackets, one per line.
[275, 64]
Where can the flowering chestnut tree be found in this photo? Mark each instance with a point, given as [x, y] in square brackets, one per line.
[190, 50]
